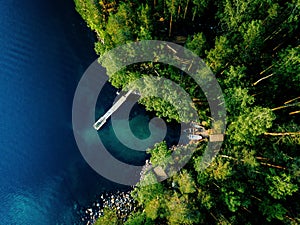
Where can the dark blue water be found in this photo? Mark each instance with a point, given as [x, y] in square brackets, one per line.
[44, 50]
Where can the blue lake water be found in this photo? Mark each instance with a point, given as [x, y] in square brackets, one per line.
[44, 50]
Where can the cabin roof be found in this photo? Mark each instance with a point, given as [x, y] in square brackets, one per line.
[160, 172]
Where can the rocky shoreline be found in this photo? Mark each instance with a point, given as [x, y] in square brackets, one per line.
[121, 202]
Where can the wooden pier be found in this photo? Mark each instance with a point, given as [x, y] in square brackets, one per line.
[100, 122]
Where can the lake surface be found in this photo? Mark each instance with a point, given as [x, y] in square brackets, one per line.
[45, 48]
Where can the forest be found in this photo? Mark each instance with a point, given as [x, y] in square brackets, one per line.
[253, 48]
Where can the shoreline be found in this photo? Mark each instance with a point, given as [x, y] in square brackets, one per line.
[120, 201]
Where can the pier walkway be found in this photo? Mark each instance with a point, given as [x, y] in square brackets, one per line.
[100, 122]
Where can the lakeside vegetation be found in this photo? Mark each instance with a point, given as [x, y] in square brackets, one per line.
[253, 48]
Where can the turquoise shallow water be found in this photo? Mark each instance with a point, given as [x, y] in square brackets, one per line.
[45, 48]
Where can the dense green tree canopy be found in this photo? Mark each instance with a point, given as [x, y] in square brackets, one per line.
[253, 48]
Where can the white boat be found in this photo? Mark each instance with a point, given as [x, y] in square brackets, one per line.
[189, 130]
[194, 137]
[201, 129]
